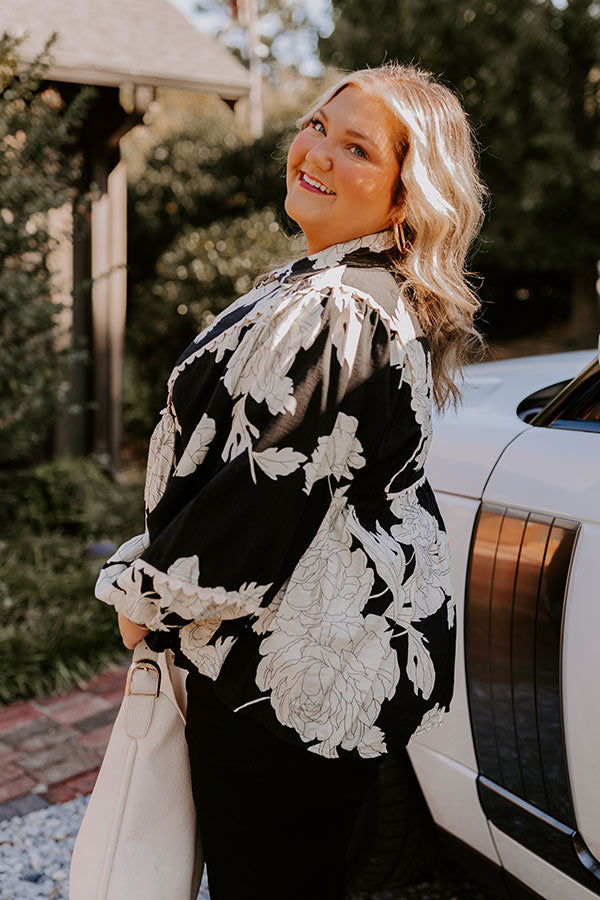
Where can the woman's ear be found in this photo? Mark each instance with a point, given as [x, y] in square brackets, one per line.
[397, 208]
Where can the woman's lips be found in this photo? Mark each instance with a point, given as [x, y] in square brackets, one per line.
[311, 187]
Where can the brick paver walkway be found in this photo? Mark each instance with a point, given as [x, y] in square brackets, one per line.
[51, 749]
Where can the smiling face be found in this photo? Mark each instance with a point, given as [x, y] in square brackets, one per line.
[342, 171]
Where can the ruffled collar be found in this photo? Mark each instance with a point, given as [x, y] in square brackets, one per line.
[368, 250]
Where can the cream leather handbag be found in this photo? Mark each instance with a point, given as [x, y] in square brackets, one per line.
[138, 837]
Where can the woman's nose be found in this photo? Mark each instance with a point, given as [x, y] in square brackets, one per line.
[320, 155]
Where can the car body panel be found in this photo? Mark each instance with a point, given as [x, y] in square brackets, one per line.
[546, 880]
[537, 472]
[533, 484]
[467, 443]
[450, 791]
[581, 686]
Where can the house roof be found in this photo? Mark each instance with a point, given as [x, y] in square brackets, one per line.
[110, 42]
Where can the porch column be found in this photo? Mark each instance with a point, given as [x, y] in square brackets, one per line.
[109, 296]
[117, 306]
[100, 240]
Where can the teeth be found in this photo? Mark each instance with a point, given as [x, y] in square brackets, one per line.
[316, 184]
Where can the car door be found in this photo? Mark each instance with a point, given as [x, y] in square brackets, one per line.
[532, 647]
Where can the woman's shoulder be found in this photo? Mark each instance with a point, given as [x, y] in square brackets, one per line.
[383, 288]
[344, 282]
[378, 283]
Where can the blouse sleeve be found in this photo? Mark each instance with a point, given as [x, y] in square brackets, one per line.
[310, 393]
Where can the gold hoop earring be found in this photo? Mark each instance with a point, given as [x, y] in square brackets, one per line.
[399, 236]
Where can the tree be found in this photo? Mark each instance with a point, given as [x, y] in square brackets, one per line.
[529, 75]
[205, 216]
[288, 31]
[38, 173]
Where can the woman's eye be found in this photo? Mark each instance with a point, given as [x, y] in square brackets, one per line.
[317, 124]
[361, 153]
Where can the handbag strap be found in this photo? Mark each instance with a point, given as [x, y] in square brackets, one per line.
[159, 662]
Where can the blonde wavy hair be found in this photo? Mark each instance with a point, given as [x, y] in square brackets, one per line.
[438, 203]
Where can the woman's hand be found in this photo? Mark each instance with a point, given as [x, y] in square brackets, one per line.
[131, 633]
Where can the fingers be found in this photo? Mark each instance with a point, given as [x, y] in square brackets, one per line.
[131, 642]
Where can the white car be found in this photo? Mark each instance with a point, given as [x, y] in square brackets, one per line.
[510, 782]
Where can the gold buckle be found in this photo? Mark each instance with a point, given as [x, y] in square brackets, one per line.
[147, 665]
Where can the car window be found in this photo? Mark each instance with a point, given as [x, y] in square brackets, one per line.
[536, 402]
[576, 406]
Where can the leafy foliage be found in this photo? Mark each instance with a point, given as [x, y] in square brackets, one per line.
[69, 495]
[529, 75]
[197, 176]
[287, 32]
[38, 172]
[205, 216]
[55, 634]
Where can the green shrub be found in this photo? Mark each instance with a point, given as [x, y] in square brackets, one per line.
[197, 276]
[70, 495]
[54, 634]
[38, 171]
[204, 217]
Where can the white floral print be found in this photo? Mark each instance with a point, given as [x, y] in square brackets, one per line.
[336, 453]
[116, 565]
[197, 447]
[184, 596]
[265, 353]
[421, 395]
[311, 587]
[276, 463]
[431, 581]
[194, 643]
[348, 325]
[431, 718]
[323, 655]
[161, 458]
[240, 437]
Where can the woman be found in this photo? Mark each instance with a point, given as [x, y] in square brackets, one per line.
[294, 555]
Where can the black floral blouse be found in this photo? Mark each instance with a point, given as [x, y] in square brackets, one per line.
[293, 549]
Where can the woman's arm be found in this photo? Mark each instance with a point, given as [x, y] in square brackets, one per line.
[300, 384]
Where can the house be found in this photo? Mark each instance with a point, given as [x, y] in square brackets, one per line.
[127, 50]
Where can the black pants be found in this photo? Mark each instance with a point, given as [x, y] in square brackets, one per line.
[275, 820]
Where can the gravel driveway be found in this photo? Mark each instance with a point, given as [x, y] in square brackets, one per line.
[35, 851]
